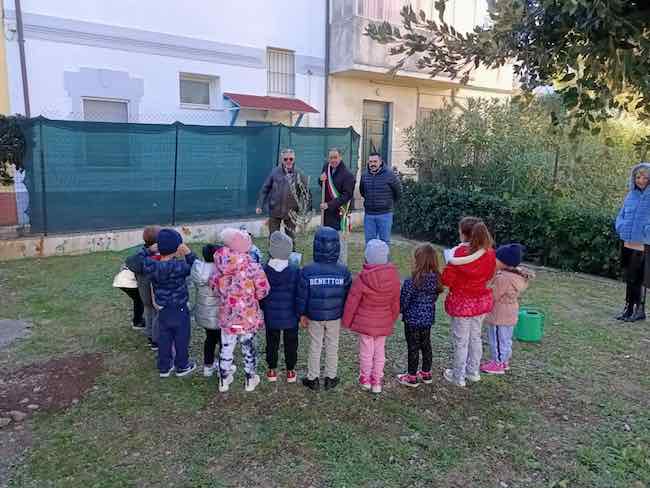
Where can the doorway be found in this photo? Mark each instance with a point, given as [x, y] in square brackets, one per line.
[376, 130]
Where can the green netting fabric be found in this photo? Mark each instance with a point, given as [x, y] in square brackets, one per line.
[84, 176]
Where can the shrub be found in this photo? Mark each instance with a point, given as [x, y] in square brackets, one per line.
[561, 235]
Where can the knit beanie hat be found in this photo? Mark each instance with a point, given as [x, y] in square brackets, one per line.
[511, 254]
[280, 245]
[168, 241]
[237, 240]
[376, 252]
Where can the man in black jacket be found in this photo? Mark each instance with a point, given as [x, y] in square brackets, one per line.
[338, 196]
[276, 192]
[380, 189]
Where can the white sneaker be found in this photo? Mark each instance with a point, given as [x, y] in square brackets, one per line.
[224, 383]
[208, 370]
[166, 374]
[474, 378]
[449, 376]
[376, 388]
[251, 383]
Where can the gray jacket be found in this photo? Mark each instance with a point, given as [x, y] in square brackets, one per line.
[276, 192]
[204, 300]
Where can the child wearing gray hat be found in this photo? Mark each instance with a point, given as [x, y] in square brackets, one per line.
[279, 306]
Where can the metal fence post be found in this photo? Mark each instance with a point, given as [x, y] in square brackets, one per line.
[175, 176]
[43, 187]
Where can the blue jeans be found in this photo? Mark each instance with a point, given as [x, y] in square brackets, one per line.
[378, 226]
[500, 338]
[174, 331]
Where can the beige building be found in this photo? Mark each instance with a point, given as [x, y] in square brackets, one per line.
[378, 105]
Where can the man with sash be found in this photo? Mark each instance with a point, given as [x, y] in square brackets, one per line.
[339, 191]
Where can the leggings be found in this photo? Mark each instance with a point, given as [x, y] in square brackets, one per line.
[138, 306]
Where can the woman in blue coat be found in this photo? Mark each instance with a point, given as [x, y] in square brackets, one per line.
[633, 227]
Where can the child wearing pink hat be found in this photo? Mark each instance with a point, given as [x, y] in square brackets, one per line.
[240, 283]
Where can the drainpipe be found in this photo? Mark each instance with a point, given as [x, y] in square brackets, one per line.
[327, 59]
[23, 63]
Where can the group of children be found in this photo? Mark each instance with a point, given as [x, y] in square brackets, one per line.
[234, 296]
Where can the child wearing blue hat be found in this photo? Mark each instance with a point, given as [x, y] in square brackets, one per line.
[168, 278]
[510, 281]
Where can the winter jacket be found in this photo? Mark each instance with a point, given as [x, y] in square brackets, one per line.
[279, 306]
[372, 306]
[507, 286]
[380, 191]
[168, 279]
[467, 277]
[241, 284]
[206, 302]
[344, 183]
[633, 220]
[277, 193]
[418, 305]
[135, 263]
[324, 284]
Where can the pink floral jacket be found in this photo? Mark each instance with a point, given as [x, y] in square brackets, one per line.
[240, 283]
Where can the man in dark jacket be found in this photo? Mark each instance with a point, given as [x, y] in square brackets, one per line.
[276, 192]
[322, 290]
[380, 189]
[338, 196]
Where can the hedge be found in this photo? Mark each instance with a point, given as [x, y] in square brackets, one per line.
[562, 236]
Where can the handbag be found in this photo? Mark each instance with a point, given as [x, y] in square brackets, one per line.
[125, 279]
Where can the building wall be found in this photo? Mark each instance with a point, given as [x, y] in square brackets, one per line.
[135, 51]
[347, 93]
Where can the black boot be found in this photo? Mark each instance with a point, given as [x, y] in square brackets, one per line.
[637, 315]
[629, 307]
[311, 384]
[331, 383]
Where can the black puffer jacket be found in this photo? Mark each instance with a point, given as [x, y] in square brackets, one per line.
[324, 284]
[380, 191]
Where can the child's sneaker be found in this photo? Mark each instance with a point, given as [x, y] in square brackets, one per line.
[188, 370]
[449, 376]
[252, 382]
[166, 374]
[153, 346]
[425, 377]
[506, 366]
[208, 370]
[139, 326]
[376, 387]
[474, 378]
[364, 383]
[291, 376]
[271, 376]
[313, 385]
[408, 380]
[224, 383]
[492, 367]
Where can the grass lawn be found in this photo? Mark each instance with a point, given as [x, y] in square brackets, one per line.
[573, 411]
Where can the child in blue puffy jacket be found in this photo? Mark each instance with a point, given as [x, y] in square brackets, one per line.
[322, 291]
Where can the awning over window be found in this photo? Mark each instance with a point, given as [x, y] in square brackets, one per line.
[256, 102]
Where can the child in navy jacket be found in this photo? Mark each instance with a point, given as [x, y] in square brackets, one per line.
[418, 307]
[279, 307]
[169, 280]
[322, 292]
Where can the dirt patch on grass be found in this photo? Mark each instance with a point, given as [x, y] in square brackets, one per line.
[51, 385]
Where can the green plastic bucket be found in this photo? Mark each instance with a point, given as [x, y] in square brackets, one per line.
[530, 326]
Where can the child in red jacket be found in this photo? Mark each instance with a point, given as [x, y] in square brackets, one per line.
[371, 310]
[469, 270]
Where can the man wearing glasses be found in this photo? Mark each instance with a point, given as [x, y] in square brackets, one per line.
[276, 192]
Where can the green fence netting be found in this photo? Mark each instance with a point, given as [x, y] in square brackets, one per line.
[84, 176]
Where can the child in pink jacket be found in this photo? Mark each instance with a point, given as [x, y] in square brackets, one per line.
[240, 283]
[509, 282]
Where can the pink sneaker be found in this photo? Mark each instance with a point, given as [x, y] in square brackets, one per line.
[492, 367]
[376, 385]
[408, 380]
[364, 382]
[425, 377]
